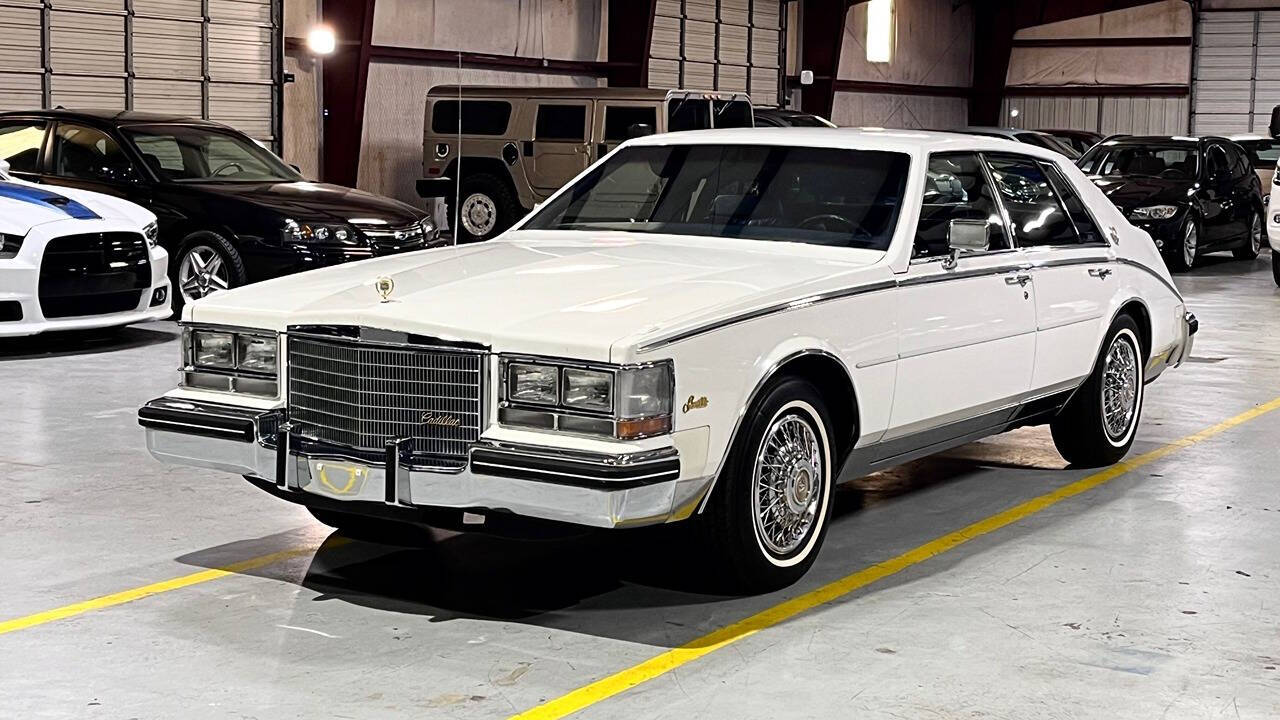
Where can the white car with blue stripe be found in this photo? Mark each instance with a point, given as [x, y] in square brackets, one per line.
[73, 260]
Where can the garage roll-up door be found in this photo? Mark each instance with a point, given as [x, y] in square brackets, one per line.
[213, 59]
[732, 45]
[1237, 71]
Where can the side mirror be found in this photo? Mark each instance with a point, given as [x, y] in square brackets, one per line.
[639, 130]
[1274, 128]
[970, 235]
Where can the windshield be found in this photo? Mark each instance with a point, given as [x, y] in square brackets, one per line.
[1262, 153]
[1172, 162]
[821, 196]
[185, 153]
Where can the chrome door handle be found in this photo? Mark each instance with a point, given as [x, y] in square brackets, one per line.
[1017, 280]
[1100, 273]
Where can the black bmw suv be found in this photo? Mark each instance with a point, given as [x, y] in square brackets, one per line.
[1192, 195]
[230, 212]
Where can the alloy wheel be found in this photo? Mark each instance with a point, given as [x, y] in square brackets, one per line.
[479, 214]
[1190, 239]
[1119, 387]
[1255, 235]
[202, 272]
[788, 484]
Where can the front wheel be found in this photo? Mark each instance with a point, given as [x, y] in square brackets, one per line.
[1253, 245]
[1183, 257]
[204, 264]
[1098, 425]
[768, 514]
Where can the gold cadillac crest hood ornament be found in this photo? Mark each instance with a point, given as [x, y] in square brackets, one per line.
[384, 285]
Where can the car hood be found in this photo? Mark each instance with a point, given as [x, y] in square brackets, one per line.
[24, 205]
[567, 294]
[314, 202]
[1131, 192]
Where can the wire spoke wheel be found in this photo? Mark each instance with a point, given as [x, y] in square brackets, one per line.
[202, 272]
[788, 484]
[1119, 388]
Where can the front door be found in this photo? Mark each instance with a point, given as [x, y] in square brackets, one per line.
[559, 149]
[88, 158]
[619, 120]
[967, 332]
[1071, 267]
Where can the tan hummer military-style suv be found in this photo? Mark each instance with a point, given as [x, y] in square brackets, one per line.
[518, 145]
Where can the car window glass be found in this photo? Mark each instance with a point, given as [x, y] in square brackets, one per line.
[479, 117]
[732, 113]
[956, 188]
[561, 122]
[1086, 229]
[1216, 161]
[820, 196]
[20, 143]
[1263, 153]
[1035, 213]
[688, 114]
[1172, 162]
[194, 153]
[618, 120]
[83, 152]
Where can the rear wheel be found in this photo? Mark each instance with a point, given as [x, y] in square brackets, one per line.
[1098, 425]
[1183, 257]
[768, 515]
[1253, 244]
[488, 207]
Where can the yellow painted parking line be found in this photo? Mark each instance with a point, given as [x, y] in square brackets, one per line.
[624, 680]
[138, 593]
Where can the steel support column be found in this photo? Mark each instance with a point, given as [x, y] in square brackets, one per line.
[344, 81]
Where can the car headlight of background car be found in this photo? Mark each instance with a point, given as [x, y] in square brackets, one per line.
[620, 401]
[1154, 212]
[152, 233]
[230, 360]
[304, 232]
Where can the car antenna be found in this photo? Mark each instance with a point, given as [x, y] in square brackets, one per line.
[457, 187]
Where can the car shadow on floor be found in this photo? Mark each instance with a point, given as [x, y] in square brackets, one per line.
[645, 585]
[86, 342]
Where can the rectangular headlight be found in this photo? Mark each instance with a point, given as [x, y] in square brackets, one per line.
[588, 389]
[529, 383]
[231, 361]
[624, 402]
[213, 349]
[256, 353]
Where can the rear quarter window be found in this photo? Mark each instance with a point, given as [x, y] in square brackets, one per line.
[479, 117]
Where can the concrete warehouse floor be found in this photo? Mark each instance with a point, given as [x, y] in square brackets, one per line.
[1153, 595]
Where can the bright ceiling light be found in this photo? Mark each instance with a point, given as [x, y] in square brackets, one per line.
[321, 40]
[880, 31]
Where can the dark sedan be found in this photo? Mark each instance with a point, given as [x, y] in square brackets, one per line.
[1079, 140]
[230, 212]
[1192, 195]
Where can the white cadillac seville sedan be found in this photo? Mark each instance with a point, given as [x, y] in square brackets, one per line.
[72, 259]
[710, 326]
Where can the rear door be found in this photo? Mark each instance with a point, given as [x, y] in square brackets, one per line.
[967, 332]
[1070, 263]
[560, 148]
[615, 119]
[1218, 224]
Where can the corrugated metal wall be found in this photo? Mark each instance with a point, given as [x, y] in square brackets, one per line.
[1237, 71]
[214, 59]
[1106, 115]
[718, 45]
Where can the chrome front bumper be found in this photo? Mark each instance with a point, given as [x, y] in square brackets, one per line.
[593, 489]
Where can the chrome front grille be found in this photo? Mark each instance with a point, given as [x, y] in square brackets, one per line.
[359, 395]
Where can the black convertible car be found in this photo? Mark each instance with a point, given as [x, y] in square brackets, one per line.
[1192, 195]
[229, 211]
